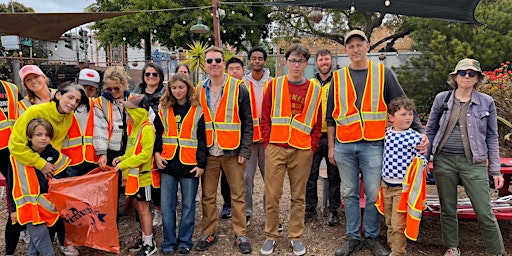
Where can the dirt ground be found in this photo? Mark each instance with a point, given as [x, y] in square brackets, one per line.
[319, 238]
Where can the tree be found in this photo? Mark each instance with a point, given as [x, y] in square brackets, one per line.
[443, 44]
[18, 7]
[172, 27]
[295, 21]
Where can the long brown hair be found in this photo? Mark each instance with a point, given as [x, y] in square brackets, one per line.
[168, 100]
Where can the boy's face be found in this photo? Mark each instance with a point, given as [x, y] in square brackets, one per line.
[236, 70]
[402, 119]
[40, 139]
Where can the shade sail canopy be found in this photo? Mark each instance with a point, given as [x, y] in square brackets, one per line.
[49, 26]
[450, 10]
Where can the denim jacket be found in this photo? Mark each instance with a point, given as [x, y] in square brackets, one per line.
[481, 124]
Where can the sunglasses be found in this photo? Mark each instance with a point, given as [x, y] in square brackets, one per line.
[217, 60]
[464, 73]
[110, 89]
[149, 74]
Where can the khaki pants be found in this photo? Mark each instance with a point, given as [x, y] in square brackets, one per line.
[395, 221]
[278, 162]
[210, 181]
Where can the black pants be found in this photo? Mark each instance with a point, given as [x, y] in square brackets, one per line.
[225, 191]
[333, 176]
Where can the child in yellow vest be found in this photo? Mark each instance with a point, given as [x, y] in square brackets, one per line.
[136, 166]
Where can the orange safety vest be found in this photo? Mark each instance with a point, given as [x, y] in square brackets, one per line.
[31, 205]
[254, 109]
[7, 119]
[296, 130]
[226, 125]
[186, 138]
[413, 199]
[132, 182]
[370, 122]
[23, 105]
[78, 145]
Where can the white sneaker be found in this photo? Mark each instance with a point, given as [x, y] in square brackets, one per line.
[24, 235]
[157, 218]
[69, 252]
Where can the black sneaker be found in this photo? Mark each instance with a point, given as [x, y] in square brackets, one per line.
[376, 247]
[225, 213]
[309, 216]
[183, 250]
[205, 242]
[334, 219]
[137, 247]
[147, 250]
[242, 242]
[247, 221]
[350, 246]
[280, 228]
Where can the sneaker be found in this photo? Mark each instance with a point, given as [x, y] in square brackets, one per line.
[69, 251]
[247, 221]
[298, 247]
[243, 244]
[147, 250]
[453, 251]
[157, 218]
[280, 228]
[137, 247]
[25, 236]
[309, 216]
[268, 247]
[350, 246]
[183, 250]
[225, 213]
[334, 219]
[376, 247]
[205, 241]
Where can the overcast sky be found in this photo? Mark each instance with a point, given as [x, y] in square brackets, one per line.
[42, 6]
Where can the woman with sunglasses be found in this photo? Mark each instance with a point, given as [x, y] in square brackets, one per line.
[152, 86]
[464, 133]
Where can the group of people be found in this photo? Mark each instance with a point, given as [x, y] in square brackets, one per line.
[164, 137]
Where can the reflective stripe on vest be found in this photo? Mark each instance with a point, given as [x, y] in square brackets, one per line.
[254, 110]
[350, 121]
[294, 131]
[23, 105]
[7, 119]
[78, 145]
[31, 206]
[225, 127]
[186, 138]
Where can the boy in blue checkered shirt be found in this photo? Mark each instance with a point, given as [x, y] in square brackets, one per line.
[399, 153]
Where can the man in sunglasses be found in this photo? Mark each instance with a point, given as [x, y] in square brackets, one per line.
[356, 124]
[291, 126]
[229, 138]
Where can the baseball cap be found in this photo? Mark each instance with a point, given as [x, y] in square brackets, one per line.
[90, 77]
[466, 64]
[355, 32]
[138, 101]
[29, 69]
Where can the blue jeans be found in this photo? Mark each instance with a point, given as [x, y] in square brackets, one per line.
[40, 241]
[350, 157]
[169, 193]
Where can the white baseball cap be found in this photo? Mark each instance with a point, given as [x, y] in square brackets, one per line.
[90, 77]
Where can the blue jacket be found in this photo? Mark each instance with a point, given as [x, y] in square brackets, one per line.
[481, 124]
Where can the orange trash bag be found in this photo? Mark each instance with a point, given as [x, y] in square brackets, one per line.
[88, 204]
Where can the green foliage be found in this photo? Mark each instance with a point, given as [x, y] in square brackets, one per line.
[443, 44]
[195, 57]
[18, 7]
[171, 28]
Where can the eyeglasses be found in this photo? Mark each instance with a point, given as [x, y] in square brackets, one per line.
[217, 60]
[149, 74]
[464, 73]
[110, 89]
[299, 61]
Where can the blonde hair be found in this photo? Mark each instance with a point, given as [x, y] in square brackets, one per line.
[168, 100]
[117, 73]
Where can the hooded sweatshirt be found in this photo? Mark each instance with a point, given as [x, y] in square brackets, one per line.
[259, 87]
[144, 159]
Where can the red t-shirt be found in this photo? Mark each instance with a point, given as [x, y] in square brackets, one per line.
[298, 94]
